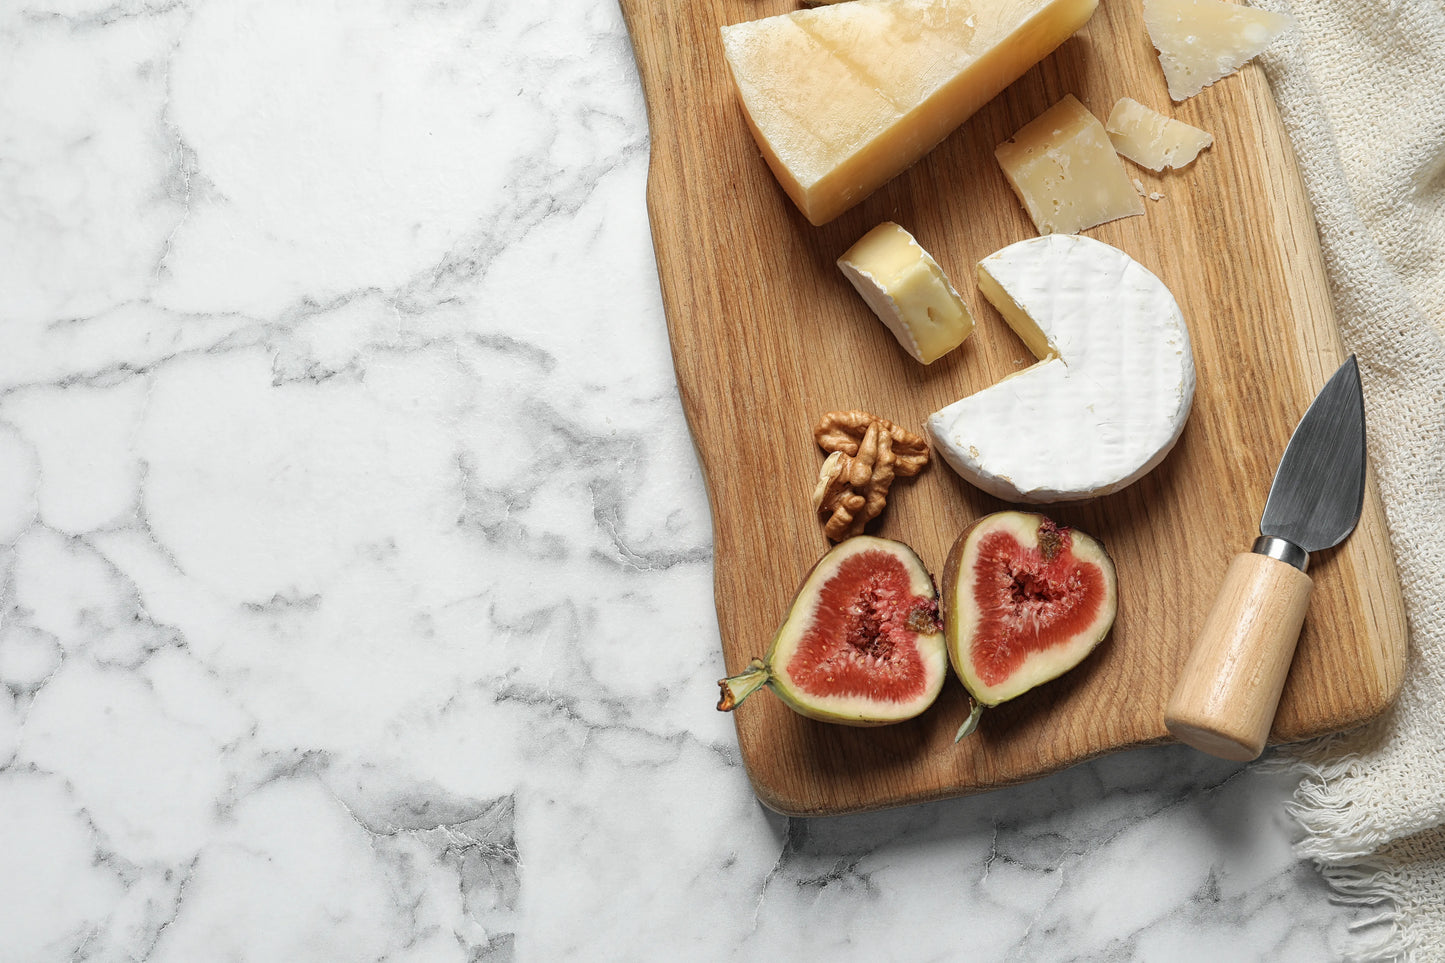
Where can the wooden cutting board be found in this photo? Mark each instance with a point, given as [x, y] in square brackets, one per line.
[767, 335]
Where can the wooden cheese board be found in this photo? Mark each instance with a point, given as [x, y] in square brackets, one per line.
[767, 335]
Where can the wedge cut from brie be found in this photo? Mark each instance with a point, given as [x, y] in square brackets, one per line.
[1202, 41]
[908, 291]
[1111, 392]
[842, 98]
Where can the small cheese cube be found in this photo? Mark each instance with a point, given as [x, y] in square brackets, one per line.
[908, 291]
[1065, 171]
[1150, 139]
[1201, 41]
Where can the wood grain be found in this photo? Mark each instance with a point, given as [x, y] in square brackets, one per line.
[766, 335]
[1227, 694]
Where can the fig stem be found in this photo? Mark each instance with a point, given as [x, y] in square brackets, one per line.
[738, 687]
[971, 723]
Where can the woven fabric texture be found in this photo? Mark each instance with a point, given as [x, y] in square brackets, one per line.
[1361, 88]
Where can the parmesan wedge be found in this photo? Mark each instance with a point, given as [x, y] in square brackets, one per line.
[842, 98]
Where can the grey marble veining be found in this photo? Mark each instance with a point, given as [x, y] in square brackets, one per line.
[355, 586]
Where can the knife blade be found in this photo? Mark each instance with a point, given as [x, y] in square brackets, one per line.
[1225, 699]
[1319, 488]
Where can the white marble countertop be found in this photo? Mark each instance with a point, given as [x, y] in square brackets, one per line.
[355, 561]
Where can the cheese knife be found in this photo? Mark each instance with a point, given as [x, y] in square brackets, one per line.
[1225, 700]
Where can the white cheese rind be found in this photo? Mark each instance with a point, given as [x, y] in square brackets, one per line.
[908, 291]
[1111, 395]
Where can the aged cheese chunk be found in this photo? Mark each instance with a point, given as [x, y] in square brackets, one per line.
[1201, 41]
[1109, 397]
[1152, 140]
[842, 98]
[1064, 169]
[908, 291]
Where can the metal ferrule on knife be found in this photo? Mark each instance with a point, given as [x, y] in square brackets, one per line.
[1282, 549]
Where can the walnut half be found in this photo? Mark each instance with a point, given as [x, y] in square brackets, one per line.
[866, 454]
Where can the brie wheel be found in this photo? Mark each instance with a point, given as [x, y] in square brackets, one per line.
[1110, 394]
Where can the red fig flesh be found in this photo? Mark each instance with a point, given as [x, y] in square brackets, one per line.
[1026, 601]
[862, 643]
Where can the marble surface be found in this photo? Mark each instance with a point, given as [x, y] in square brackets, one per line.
[355, 570]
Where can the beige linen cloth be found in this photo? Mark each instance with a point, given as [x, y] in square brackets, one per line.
[1361, 87]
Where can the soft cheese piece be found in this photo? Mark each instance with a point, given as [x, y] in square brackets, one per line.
[908, 291]
[1109, 397]
[842, 98]
[1201, 41]
[1065, 171]
[1150, 139]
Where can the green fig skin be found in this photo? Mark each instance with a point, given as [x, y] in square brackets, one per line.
[738, 687]
[760, 673]
[954, 630]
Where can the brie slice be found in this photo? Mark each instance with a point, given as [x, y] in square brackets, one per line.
[908, 291]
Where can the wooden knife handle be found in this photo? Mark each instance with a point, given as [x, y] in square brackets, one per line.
[1225, 700]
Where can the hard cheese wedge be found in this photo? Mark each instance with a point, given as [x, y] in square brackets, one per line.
[1201, 41]
[1109, 397]
[908, 291]
[1150, 139]
[843, 98]
[1065, 171]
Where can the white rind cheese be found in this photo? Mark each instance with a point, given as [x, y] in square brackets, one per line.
[1110, 395]
[908, 291]
[1202, 41]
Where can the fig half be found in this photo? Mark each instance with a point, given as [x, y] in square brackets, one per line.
[1025, 601]
[862, 643]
